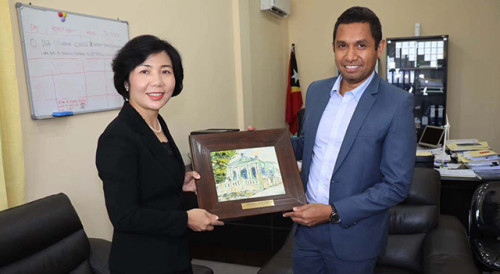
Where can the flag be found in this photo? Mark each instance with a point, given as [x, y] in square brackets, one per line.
[293, 93]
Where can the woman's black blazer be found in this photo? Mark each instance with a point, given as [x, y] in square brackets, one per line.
[143, 192]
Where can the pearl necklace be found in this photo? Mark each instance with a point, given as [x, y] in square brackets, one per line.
[154, 130]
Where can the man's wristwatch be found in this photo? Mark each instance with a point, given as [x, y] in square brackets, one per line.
[334, 216]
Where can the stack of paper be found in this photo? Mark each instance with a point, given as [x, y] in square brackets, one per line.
[442, 158]
[461, 141]
[485, 163]
[478, 155]
[458, 173]
[467, 146]
[489, 174]
[424, 153]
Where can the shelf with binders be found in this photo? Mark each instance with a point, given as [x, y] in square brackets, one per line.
[419, 65]
[418, 81]
[419, 52]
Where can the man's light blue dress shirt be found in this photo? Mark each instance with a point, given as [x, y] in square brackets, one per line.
[331, 131]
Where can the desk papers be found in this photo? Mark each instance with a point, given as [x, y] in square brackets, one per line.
[459, 173]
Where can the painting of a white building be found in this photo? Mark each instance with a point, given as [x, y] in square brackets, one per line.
[248, 173]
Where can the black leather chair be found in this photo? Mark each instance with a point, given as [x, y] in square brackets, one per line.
[484, 225]
[46, 236]
[420, 239]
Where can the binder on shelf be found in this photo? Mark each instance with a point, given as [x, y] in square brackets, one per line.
[440, 118]
[430, 83]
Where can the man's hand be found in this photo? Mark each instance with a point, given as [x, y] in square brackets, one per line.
[190, 181]
[310, 214]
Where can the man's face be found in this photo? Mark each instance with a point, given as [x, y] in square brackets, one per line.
[355, 53]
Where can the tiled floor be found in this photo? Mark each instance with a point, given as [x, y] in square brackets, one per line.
[225, 268]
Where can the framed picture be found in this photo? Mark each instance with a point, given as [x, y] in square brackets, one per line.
[246, 173]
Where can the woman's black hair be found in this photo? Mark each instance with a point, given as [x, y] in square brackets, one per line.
[135, 52]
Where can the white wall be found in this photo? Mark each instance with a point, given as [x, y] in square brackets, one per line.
[60, 153]
[236, 61]
[473, 100]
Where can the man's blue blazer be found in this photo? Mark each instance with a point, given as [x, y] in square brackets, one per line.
[374, 168]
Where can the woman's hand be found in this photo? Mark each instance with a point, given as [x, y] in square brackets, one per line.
[202, 220]
[190, 181]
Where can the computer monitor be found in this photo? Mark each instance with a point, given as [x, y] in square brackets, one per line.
[431, 137]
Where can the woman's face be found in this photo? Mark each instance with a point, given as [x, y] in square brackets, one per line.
[151, 83]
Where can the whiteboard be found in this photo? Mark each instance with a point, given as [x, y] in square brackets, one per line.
[68, 63]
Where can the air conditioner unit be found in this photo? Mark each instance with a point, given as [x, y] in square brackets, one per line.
[278, 7]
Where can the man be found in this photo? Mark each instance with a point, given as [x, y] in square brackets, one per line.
[357, 150]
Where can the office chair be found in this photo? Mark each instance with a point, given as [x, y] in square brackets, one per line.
[484, 225]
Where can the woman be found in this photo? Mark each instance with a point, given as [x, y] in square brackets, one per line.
[141, 168]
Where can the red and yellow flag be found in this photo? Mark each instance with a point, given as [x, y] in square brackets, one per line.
[293, 93]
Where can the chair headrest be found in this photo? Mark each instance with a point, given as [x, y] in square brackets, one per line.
[31, 227]
[419, 212]
[485, 209]
[425, 187]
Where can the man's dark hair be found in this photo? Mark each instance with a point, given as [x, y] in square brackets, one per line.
[361, 15]
[135, 52]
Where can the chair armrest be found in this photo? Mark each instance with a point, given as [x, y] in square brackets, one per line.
[201, 269]
[447, 250]
[281, 262]
[99, 255]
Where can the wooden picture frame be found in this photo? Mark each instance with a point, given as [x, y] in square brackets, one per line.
[245, 185]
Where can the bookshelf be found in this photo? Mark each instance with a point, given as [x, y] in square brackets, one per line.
[419, 65]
